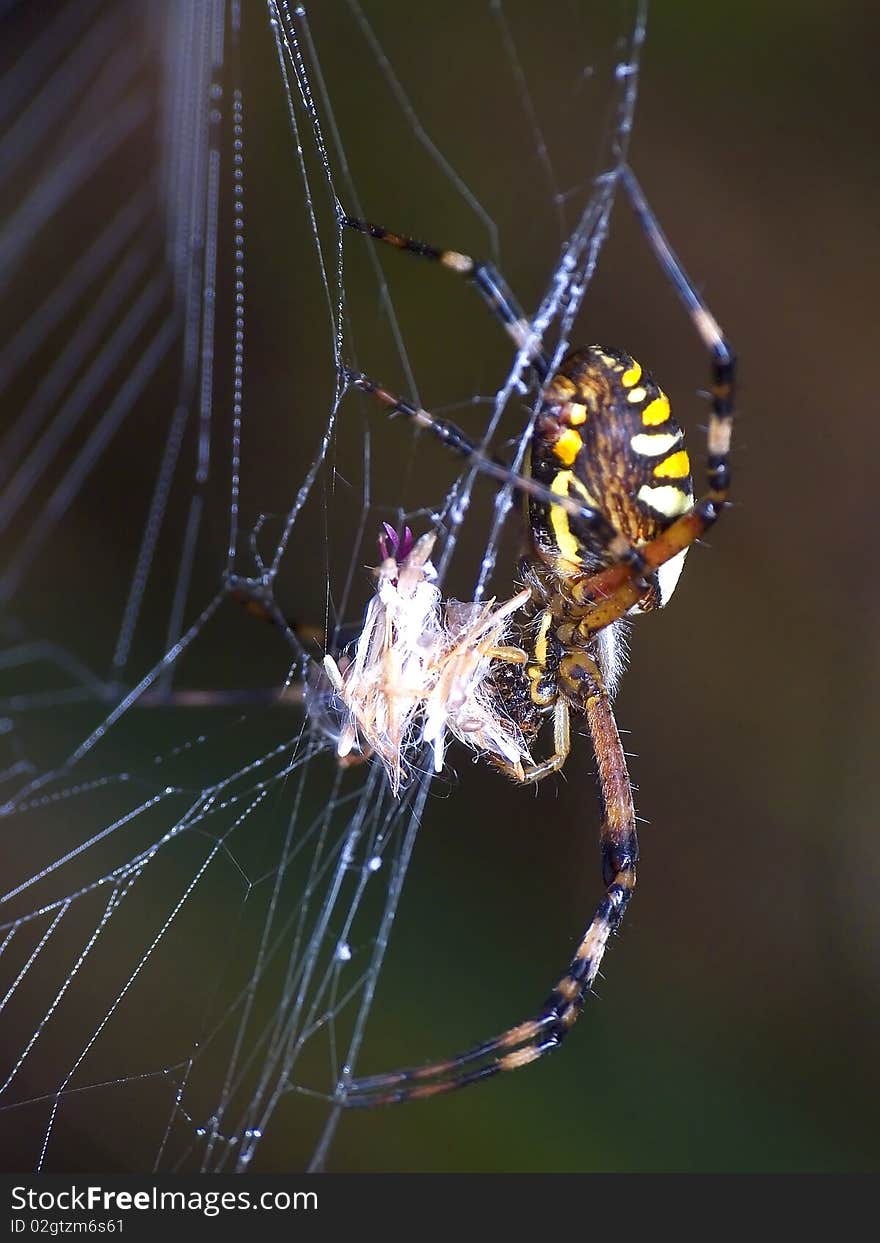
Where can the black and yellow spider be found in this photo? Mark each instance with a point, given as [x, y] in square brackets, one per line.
[610, 516]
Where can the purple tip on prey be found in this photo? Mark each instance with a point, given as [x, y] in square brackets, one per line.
[393, 545]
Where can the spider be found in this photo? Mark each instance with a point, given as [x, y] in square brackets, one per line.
[610, 515]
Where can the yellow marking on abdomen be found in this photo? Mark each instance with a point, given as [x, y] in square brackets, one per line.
[568, 446]
[637, 395]
[675, 467]
[564, 483]
[577, 414]
[656, 412]
[666, 500]
[565, 541]
[656, 445]
[631, 377]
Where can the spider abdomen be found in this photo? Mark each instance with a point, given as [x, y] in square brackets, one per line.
[605, 437]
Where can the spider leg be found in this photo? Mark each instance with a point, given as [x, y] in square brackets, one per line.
[455, 439]
[509, 655]
[610, 594]
[723, 358]
[527, 1042]
[489, 282]
[614, 591]
[530, 774]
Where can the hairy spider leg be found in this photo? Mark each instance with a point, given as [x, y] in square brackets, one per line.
[489, 282]
[528, 1041]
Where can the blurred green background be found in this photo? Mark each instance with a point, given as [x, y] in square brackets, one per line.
[735, 1027]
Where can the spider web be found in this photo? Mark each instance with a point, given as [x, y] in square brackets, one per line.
[197, 899]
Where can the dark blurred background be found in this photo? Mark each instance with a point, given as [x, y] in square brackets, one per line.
[735, 1027]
